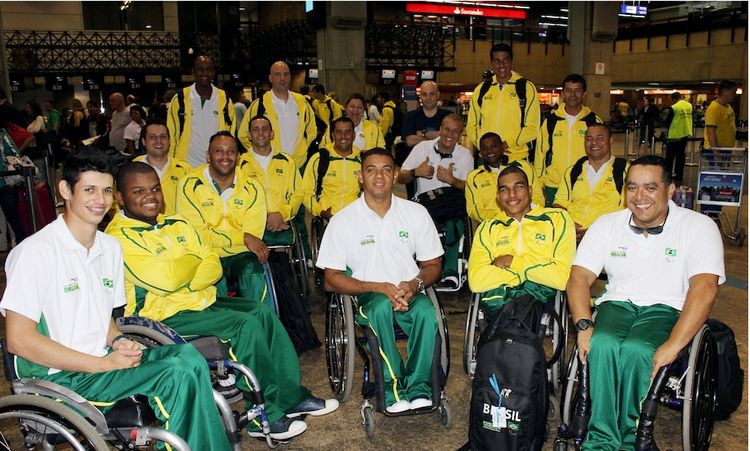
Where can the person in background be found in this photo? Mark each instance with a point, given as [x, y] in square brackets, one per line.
[34, 117]
[132, 132]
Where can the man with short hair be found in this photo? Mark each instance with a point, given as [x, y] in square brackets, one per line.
[230, 210]
[325, 107]
[423, 123]
[593, 186]
[680, 128]
[170, 276]
[155, 140]
[341, 163]
[561, 141]
[119, 120]
[721, 130]
[97, 121]
[481, 183]
[664, 265]
[442, 164]
[198, 112]
[393, 251]
[507, 105]
[63, 283]
[524, 250]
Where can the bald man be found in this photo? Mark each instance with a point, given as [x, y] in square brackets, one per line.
[120, 120]
[423, 124]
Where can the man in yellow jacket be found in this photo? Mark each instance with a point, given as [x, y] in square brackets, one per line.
[290, 114]
[325, 107]
[367, 134]
[388, 119]
[594, 185]
[561, 139]
[523, 250]
[196, 113]
[169, 277]
[229, 209]
[339, 186]
[506, 104]
[155, 140]
[277, 173]
[481, 183]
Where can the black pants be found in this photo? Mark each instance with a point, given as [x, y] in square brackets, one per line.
[9, 204]
[676, 157]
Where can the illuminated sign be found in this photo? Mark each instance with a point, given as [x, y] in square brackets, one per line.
[634, 10]
[388, 74]
[456, 10]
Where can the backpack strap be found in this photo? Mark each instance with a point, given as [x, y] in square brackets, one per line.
[483, 90]
[181, 109]
[261, 107]
[590, 119]
[330, 110]
[551, 124]
[521, 92]
[577, 169]
[618, 172]
[325, 160]
[227, 118]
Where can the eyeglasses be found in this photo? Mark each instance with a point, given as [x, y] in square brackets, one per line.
[651, 230]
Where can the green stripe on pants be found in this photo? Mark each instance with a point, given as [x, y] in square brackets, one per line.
[412, 380]
[243, 273]
[620, 362]
[178, 376]
[258, 340]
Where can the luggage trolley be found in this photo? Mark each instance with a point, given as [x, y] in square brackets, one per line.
[721, 180]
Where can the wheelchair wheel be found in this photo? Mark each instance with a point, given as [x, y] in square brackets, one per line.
[340, 345]
[700, 392]
[299, 265]
[570, 385]
[38, 422]
[445, 354]
[558, 334]
[368, 421]
[318, 228]
[445, 414]
[471, 334]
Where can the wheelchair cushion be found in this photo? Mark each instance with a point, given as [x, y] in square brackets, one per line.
[211, 348]
[130, 412]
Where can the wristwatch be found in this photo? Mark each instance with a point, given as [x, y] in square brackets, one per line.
[584, 324]
[424, 134]
[413, 173]
[420, 284]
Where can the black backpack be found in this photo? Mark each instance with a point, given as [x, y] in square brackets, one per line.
[618, 172]
[521, 93]
[730, 376]
[552, 120]
[510, 391]
[181, 110]
[398, 121]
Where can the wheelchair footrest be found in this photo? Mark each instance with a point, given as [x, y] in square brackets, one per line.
[130, 412]
[211, 348]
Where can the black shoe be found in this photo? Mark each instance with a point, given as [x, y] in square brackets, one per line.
[284, 429]
[313, 406]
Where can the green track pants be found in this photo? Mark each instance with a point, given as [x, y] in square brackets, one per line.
[244, 274]
[257, 339]
[178, 386]
[620, 362]
[454, 230]
[412, 380]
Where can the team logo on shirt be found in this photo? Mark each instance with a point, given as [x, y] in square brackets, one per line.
[108, 283]
[369, 239]
[403, 236]
[279, 171]
[540, 237]
[180, 239]
[208, 203]
[670, 253]
[238, 202]
[503, 241]
[72, 286]
[173, 177]
[619, 252]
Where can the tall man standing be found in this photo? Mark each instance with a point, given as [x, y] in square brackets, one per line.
[506, 104]
[120, 120]
[721, 130]
[680, 123]
[196, 113]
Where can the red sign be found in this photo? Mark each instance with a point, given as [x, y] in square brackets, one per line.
[410, 77]
[458, 10]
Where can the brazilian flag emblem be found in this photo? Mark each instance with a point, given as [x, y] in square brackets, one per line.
[108, 283]
[670, 252]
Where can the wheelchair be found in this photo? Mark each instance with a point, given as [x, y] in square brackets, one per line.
[296, 256]
[317, 229]
[464, 247]
[688, 385]
[341, 343]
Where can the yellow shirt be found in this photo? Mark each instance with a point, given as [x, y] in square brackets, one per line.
[326, 114]
[173, 172]
[722, 118]
[481, 190]
[168, 268]
[340, 185]
[387, 116]
[224, 224]
[586, 205]
[282, 182]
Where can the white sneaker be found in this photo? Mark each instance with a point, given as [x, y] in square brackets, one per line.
[399, 406]
[420, 403]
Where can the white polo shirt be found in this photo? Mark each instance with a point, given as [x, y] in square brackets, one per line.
[461, 157]
[53, 278]
[204, 123]
[380, 249]
[288, 117]
[653, 269]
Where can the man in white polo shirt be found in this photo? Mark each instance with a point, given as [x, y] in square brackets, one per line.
[377, 237]
[441, 166]
[664, 264]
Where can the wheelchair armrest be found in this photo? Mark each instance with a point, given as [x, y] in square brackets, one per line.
[68, 396]
[155, 330]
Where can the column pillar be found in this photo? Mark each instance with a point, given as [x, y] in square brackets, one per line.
[341, 48]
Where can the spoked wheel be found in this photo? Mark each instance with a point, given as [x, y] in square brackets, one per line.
[318, 228]
[471, 335]
[37, 422]
[340, 345]
[570, 388]
[559, 334]
[700, 387]
[300, 265]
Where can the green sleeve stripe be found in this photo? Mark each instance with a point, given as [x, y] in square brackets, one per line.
[184, 192]
[562, 234]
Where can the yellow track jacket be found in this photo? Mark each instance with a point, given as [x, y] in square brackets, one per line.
[387, 115]
[567, 146]
[340, 185]
[481, 190]
[223, 225]
[542, 246]
[174, 171]
[324, 113]
[501, 113]
[306, 129]
[585, 205]
[281, 183]
[179, 141]
[168, 268]
[373, 136]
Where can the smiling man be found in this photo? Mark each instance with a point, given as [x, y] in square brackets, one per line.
[393, 250]
[524, 250]
[664, 264]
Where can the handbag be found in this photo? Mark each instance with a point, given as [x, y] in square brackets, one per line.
[12, 160]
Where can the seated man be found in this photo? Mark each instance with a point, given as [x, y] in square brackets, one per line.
[378, 238]
[338, 165]
[594, 185]
[169, 277]
[62, 284]
[229, 209]
[481, 183]
[525, 249]
[664, 265]
[442, 163]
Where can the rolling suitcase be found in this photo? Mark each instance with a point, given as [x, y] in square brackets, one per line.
[43, 208]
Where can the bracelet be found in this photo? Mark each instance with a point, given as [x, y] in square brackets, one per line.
[119, 337]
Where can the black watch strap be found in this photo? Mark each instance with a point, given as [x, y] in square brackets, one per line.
[583, 324]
